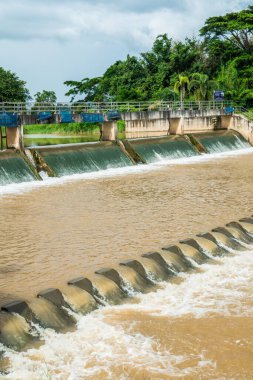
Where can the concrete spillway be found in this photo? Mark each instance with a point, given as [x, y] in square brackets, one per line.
[14, 169]
[62, 160]
[58, 309]
[222, 141]
[82, 158]
[158, 149]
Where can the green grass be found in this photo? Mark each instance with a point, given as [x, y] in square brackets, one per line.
[249, 114]
[121, 126]
[67, 128]
[61, 129]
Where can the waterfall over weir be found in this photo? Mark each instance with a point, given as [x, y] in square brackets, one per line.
[23, 324]
[64, 160]
[13, 169]
[82, 158]
[158, 149]
[222, 141]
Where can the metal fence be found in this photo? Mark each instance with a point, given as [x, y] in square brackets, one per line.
[103, 107]
[244, 111]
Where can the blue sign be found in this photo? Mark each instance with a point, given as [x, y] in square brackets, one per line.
[218, 95]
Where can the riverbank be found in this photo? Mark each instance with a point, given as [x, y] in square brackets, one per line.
[73, 129]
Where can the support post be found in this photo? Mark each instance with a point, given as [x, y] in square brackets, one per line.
[109, 131]
[14, 137]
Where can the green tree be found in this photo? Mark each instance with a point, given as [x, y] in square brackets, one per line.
[88, 88]
[181, 86]
[156, 74]
[201, 86]
[45, 97]
[187, 55]
[234, 86]
[12, 89]
[236, 27]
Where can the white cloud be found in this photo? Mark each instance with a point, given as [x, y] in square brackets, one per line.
[62, 20]
[81, 38]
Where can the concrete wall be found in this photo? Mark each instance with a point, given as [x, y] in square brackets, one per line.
[146, 128]
[160, 123]
[14, 137]
[159, 115]
[200, 124]
[243, 125]
[109, 131]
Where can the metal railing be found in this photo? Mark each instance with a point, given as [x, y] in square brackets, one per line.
[244, 111]
[103, 107]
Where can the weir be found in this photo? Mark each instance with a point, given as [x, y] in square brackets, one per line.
[83, 158]
[62, 160]
[169, 131]
[14, 169]
[222, 141]
[158, 149]
[56, 308]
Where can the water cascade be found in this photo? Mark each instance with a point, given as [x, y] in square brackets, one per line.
[225, 239]
[83, 158]
[242, 231]
[14, 169]
[133, 282]
[62, 160]
[21, 322]
[222, 141]
[158, 149]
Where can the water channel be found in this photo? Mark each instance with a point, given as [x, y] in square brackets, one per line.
[197, 326]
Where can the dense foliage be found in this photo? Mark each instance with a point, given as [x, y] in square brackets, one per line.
[12, 89]
[222, 58]
[45, 96]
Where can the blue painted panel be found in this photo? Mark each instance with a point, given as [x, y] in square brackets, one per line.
[113, 115]
[93, 117]
[66, 117]
[45, 115]
[229, 110]
[8, 119]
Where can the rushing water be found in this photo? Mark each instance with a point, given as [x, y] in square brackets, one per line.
[199, 326]
[153, 150]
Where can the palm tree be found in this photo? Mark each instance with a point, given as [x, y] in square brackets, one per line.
[181, 86]
[202, 86]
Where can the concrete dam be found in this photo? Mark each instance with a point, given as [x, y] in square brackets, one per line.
[57, 161]
[130, 256]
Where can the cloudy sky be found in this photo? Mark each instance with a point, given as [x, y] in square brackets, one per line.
[49, 41]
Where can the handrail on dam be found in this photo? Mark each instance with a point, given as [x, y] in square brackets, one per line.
[142, 119]
[101, 107]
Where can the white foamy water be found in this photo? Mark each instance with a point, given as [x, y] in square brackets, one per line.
[97, 347]
[219, 289]
[94, 350]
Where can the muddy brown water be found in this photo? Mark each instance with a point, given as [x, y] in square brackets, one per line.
[53, 233]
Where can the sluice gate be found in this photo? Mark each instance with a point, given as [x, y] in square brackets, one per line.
[21, 320]
[61, 160]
